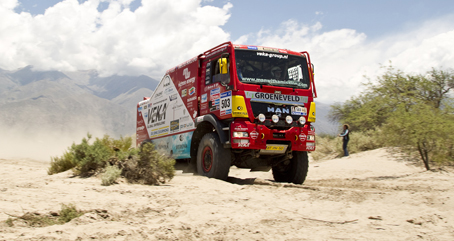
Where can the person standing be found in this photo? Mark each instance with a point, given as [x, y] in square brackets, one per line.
[345, 139]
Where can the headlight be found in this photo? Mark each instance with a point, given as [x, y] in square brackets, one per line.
[275, 118]
[261, 117]
[240, 134]
[289, 119]
[302, 120]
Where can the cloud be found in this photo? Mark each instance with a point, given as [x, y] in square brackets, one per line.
[342, 57]
[75, 36]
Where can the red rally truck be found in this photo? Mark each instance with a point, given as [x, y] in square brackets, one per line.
[241, 105]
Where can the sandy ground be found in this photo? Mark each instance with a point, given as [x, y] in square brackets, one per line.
[367, 196]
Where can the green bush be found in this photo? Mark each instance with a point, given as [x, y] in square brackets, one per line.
[149, 167]
[110, 175]
[61, 164]
[68, 213]
[34, 219]
[328, 147]
[114, 156]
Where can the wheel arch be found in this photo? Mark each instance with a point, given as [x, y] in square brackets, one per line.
[206, 124]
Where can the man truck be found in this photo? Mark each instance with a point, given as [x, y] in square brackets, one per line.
[242, 105]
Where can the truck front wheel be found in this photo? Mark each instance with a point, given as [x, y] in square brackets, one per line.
[213, 160]
[295, 171]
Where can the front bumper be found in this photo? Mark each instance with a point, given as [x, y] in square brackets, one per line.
[260, 137]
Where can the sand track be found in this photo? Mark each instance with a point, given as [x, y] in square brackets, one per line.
[368, 196]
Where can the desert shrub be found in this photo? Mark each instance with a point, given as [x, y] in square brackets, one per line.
[61, 164]
[330, 147]
[87, 159]
[9, 222]
[68, 213]
[364, 141]
[115, 157]
[326, 147]
[149, 167]
[35, 219]
[110, 175]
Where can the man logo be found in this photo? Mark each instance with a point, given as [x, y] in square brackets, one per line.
[166, 81]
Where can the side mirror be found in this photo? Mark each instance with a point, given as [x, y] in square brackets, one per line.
[313, 68]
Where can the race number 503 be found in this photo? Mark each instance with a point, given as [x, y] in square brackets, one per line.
[226, 103]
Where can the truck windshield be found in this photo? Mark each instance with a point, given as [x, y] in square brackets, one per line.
[270, 68]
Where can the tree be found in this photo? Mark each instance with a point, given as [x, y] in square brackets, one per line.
[414, 111]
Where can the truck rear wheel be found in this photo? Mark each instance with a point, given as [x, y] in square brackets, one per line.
[295, 171]
[213, 160]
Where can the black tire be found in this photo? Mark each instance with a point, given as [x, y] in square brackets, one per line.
[213, 160]
[295, 171]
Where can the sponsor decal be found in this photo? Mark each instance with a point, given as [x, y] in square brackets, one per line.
[240, 128]
[254, 134]
[216, 96]
[299, 110]
[295, 73]
[184, 118]
[215, 91]
[204, 98]
[157, 113]
[282, 51]
[204, 106]
[302, 137]
[270, 55]
[160, 101]
[211, 87]
[214, 108]
[139, 109]
[239, 113]
[168, 91]
[199, 119]
[192, 98]
[166, 81]
[226, 112]
[158, 95]
[140, 122]
[173, 97]
[140, 128]
[149, 105]
[159, 132]
[252, 47]
[271, 96]
[145, 107]
[217, 101]
[186, 73]
[216, 52]
[174, 125]
[187, 62]
[192, 90]
[184, 93]
[243, 144]
[189, 81]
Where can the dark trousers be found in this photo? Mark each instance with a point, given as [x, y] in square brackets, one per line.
[344, 146]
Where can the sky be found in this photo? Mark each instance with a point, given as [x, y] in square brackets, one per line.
[347, 40]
